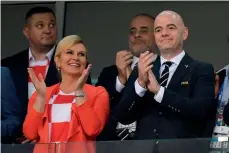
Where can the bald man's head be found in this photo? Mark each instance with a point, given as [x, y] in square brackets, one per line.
[173, 15]
[170, 31]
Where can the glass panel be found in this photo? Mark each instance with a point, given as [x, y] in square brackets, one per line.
[129, 146]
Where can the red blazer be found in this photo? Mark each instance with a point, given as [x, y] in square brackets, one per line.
[87, 122]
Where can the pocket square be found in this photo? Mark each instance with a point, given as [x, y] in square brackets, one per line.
[184, 83]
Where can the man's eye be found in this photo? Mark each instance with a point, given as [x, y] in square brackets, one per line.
[132, 32]
[157, 30]
[40, 25]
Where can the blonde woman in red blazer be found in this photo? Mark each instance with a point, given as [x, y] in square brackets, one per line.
[71, 112]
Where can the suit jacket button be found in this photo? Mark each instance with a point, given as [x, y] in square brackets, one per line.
[154, 130]
[160, 113]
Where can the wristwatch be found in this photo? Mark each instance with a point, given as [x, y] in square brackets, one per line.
[82, 94]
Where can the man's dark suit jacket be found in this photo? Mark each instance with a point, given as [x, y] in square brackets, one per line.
[226, 114]
[11, 108]
[187, 102]
[107, 79]
[18, 65]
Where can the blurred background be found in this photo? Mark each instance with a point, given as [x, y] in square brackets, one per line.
[104, 27]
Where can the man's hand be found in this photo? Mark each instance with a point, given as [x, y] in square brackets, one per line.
[153, 86]
[144, 65]
[123, 61]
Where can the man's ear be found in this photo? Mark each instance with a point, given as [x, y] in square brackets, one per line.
[26, 31]
[185, 34]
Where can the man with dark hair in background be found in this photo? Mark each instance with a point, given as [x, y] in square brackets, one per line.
[226, 114]
[114, 78]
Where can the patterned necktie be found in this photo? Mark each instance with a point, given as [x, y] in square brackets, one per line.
[126, 132]
[165, 74]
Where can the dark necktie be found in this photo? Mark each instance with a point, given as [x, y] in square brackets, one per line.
[163, 82]
[165, 74]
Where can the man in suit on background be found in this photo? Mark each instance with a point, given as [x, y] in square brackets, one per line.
[222, 97]
[173, 96]
[226, 108]
[224, 94]
[11, 108]
[41, 31]
[114, 78]
[220, 120]
[226, 114]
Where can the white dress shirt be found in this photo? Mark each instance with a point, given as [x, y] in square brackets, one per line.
[48, 55]
[159, 96]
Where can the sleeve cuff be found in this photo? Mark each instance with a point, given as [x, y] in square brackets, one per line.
[159, 96]
[119, 86]
[139, 90]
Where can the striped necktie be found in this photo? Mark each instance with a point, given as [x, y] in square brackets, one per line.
[165, 74]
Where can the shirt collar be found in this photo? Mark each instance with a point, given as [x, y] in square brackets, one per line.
[176, 60]
[136, 59]
[49, 54]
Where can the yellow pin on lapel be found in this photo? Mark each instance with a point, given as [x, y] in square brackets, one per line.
[184, 83]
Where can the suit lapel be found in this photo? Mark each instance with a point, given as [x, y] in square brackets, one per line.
[181, 70]
[22, 69]
[156, 67]
[52, 74]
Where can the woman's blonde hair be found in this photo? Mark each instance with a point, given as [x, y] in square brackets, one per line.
[66, 43]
